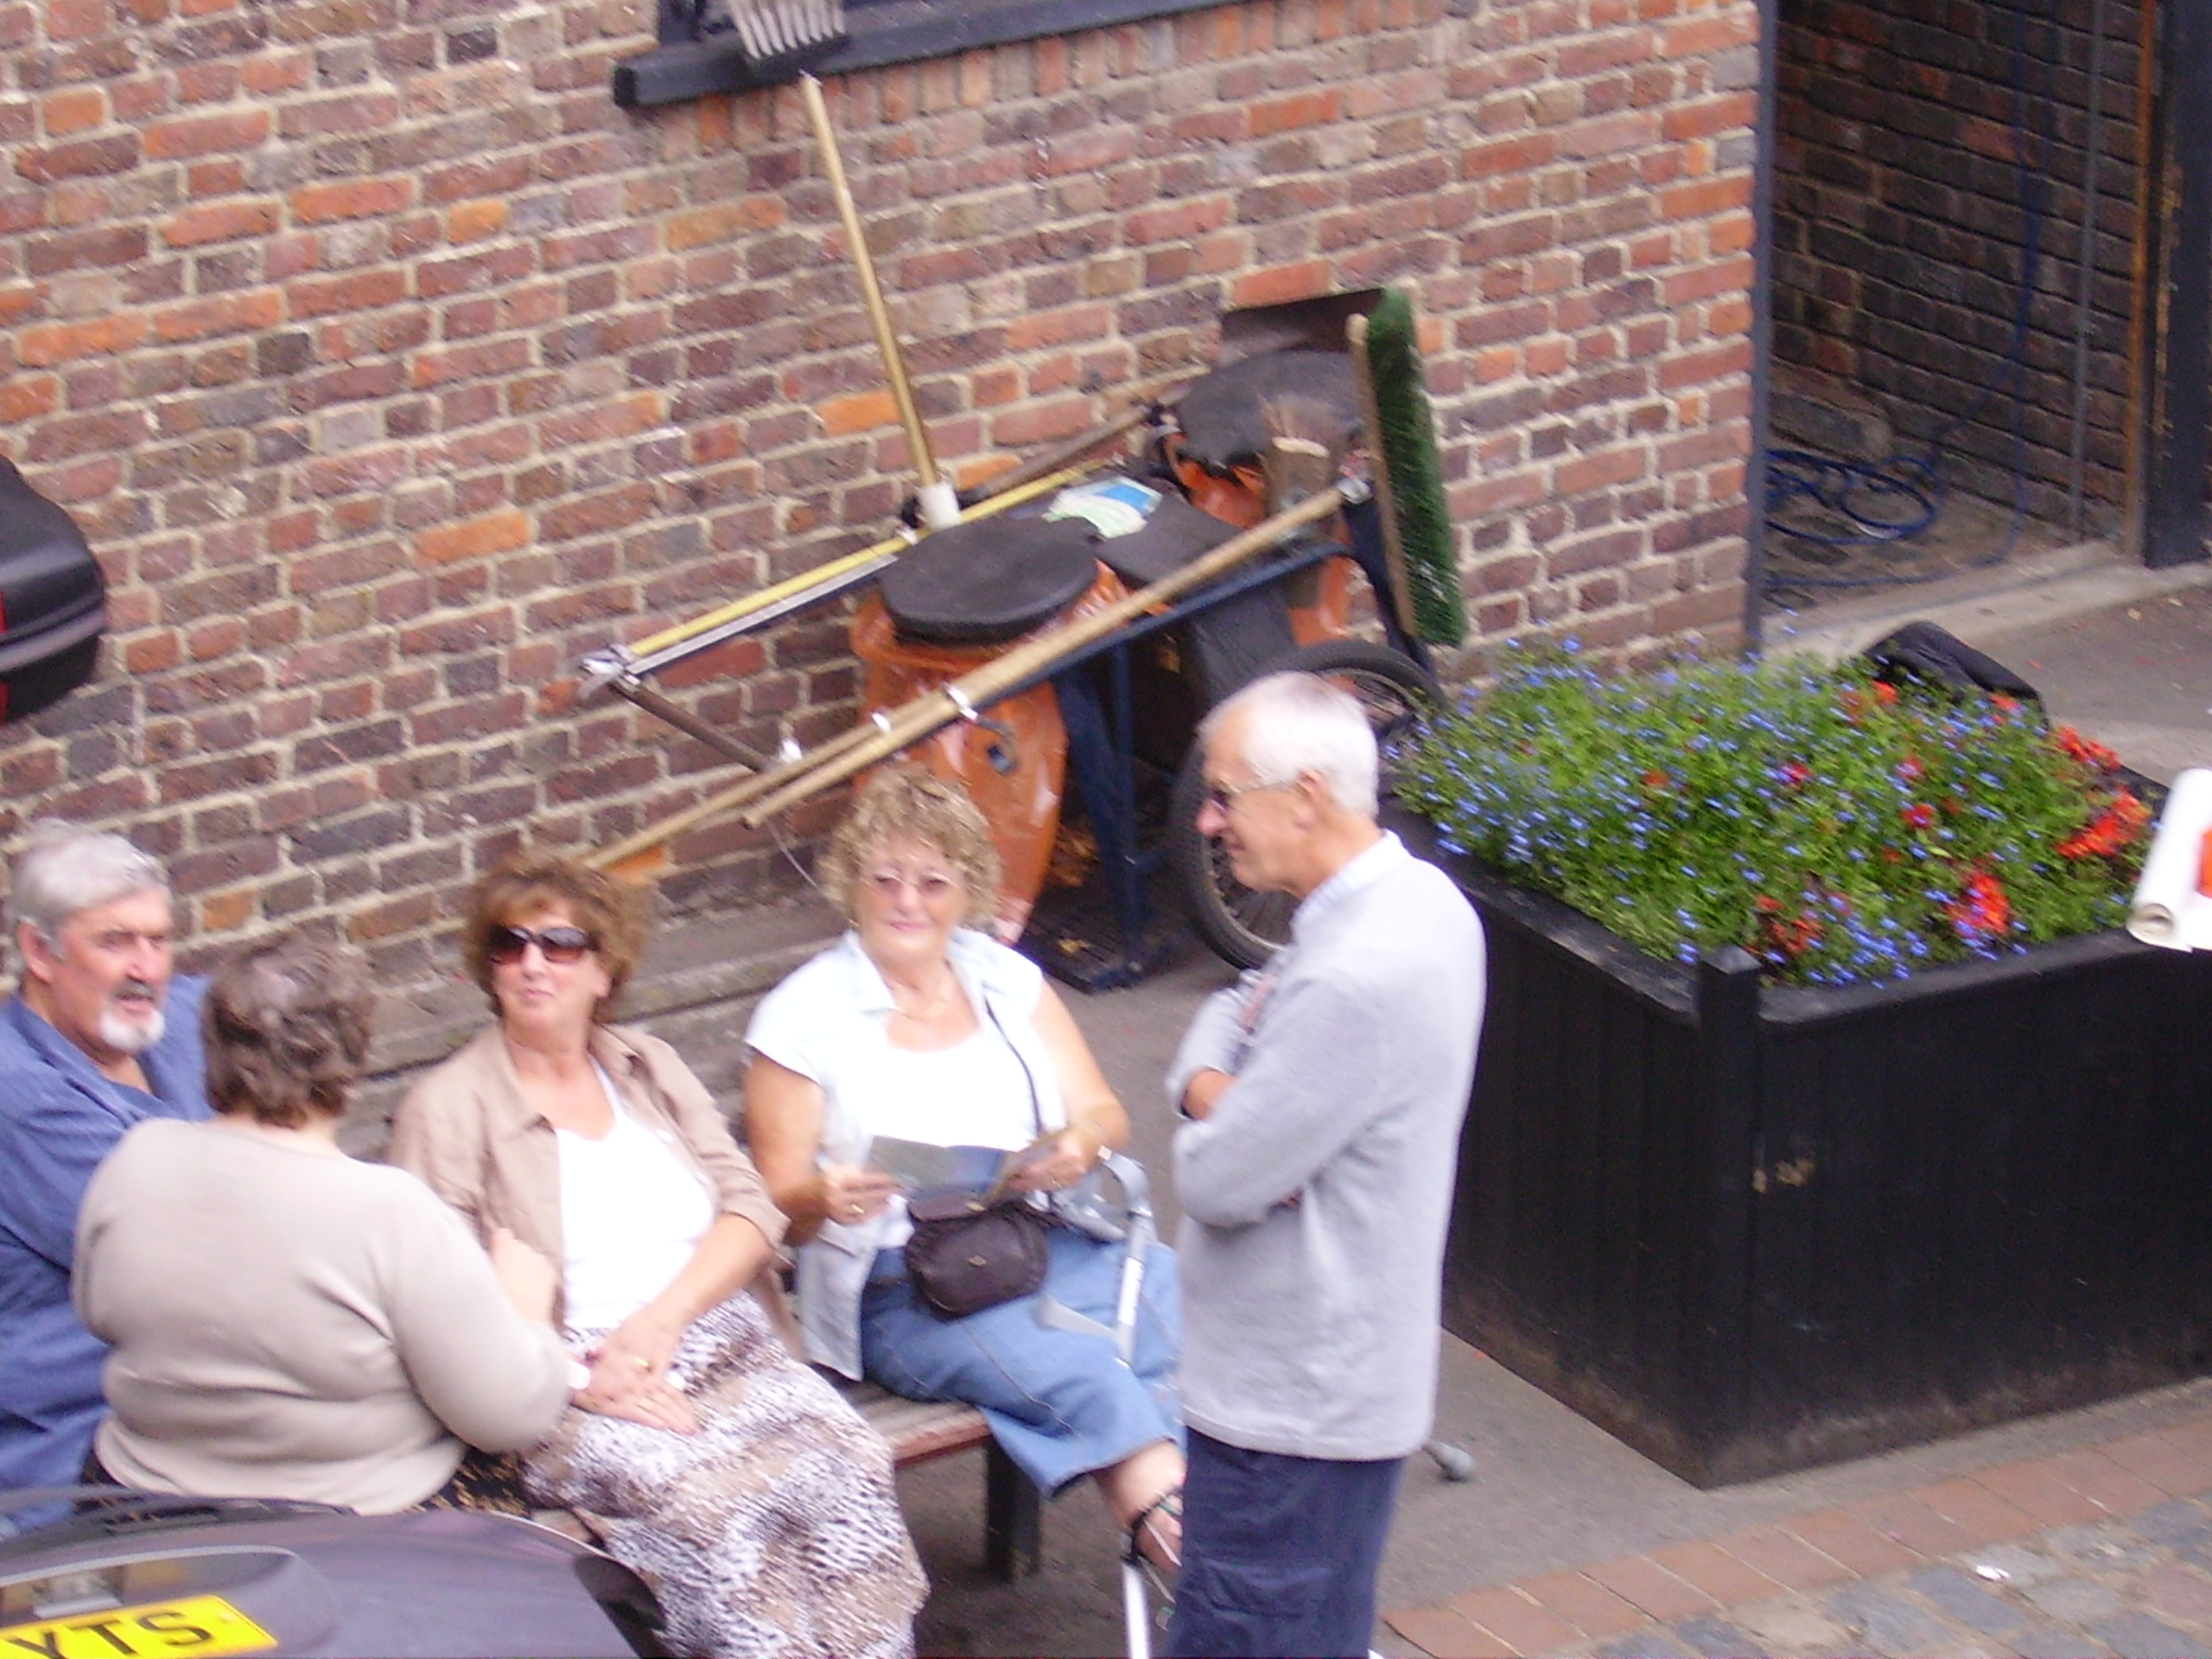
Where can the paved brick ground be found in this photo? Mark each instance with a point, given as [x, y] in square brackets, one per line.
[2102, 1551]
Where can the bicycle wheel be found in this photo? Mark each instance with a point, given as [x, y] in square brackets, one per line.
[1240, 926]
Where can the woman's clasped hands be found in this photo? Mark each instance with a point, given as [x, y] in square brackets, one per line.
[630, 1377]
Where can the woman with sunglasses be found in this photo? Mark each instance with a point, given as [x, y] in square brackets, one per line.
[916, 1027]
[733, 1476]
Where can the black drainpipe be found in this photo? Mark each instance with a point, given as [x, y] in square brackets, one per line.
[1762, 166]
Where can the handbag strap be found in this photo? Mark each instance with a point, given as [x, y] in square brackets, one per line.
[1036, 1108]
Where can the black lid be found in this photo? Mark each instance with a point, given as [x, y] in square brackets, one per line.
[990, 580]
[1174, 536]
[1223, 416]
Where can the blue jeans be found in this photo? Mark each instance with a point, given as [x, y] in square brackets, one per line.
[1061, 1402]
[1280, 1554]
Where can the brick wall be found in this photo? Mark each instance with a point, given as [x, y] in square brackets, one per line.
[390, 368]
[1901, 226]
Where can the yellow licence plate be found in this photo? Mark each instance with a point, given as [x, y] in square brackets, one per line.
[193, 1627]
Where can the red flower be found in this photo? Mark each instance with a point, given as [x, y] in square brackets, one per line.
[2111, 832]
[2005, 704]
[1920, 816]
[1885, 694]
[1982, 908]
[1796, 773]
[1910, 770]
[1782, 939]
[1657, 779]
[2089, 752]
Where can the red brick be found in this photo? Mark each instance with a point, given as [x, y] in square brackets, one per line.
[1711, 1569]
[1853, 1541]
[1442, 1633]
[2041, 1491]
[1516, 1621]
[1643, 1581]
[2159, 1459]
[2105, 1483]
[1980, 1512]
[335, 200]
[1583, 1602]
[1782, 1556]
[208, 135]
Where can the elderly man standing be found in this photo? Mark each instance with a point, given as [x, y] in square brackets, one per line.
[1325, 1093]
[97, 1037]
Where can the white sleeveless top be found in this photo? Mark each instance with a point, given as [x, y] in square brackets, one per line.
[974, 1094]
[632, 1213]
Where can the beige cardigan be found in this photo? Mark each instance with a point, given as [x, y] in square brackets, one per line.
[290, 1323]
[467, 1130]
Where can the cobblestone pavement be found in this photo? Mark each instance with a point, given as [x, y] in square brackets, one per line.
[2101, 1551]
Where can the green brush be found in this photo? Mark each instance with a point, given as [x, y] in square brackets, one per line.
[1408, 472]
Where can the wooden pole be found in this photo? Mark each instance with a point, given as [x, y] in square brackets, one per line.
[886, 338]
[981, 687]
[862, 745]
[1013, 496]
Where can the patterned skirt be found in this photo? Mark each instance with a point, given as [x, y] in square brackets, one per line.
[774, 1531]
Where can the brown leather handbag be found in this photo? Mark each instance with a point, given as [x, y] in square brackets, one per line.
[968, 1254]
[972, 1250]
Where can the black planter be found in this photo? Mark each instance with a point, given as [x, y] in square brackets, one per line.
[1748, 1229]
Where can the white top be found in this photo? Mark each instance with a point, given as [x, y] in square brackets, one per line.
[828, 1021]
[973, 1094]
[632, 1213]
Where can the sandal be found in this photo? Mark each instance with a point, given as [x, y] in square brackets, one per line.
[1169, 1504]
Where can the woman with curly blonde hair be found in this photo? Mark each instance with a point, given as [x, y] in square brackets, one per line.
[918, 1026]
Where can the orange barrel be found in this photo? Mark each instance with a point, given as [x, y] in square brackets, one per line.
[954, 601]
[1222, 425]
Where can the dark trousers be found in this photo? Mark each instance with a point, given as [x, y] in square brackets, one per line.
[1280, 1554]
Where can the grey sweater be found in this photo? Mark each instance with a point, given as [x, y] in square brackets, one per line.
[1316, 1196]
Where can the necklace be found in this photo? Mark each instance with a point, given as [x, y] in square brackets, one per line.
[925, 1010]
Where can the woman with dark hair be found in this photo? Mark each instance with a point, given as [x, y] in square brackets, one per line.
[737, 1481]
[286, 1322]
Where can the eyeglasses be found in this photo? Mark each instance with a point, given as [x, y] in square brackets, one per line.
[560, 945]
[929, 886]
[1222, 797]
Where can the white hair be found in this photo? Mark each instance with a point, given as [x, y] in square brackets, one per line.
[1297, 723]
[66, 869]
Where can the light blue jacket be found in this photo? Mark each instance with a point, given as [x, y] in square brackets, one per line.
[58, 1118]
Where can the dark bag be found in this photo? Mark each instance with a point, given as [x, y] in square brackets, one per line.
[53, 601]
[968, 1254]
[972, 1250]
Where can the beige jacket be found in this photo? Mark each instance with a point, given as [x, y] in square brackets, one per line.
[468, 1131]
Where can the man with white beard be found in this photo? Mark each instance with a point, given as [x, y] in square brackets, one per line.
[100, 1035]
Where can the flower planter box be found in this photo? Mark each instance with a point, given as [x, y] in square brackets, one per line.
[1748, 1229]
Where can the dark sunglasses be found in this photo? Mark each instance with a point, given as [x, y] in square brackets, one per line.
[560, 945]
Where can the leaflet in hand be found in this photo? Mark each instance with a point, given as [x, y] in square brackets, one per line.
[919, 1167]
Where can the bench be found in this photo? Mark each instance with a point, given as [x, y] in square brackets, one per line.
[920, 1431]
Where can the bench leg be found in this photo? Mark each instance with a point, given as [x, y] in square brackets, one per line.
[1014, 1517]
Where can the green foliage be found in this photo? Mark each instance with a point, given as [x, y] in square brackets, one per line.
[1840, 829]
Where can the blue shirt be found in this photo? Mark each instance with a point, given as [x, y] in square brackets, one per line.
[58, 1118]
